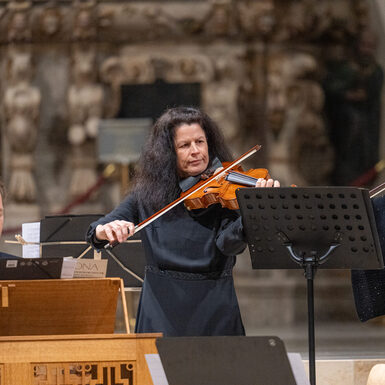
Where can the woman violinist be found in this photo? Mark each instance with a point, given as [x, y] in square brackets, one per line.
[188, 288]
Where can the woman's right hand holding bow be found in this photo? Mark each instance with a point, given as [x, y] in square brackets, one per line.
[115, 231]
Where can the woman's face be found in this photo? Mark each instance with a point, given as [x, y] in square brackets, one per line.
[191, 149]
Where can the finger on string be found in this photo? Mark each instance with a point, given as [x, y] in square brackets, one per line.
[269, 183]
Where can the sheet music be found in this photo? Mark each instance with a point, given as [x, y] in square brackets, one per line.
[31, 233]
[298, 369]
[156, 369]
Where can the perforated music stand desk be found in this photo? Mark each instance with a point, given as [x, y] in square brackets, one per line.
[310, 228]
[225, 360]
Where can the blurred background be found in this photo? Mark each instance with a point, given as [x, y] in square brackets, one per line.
[82, 82]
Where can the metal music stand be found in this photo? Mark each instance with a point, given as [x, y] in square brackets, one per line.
[225, 360]
[63, 235]
[310, 228]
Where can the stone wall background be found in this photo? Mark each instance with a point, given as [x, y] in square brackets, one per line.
[260, 66]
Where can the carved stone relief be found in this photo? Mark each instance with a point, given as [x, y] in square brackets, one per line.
[18, 25]
[314, 21]
[257, 63]
[85, 108]
[207, 34]
[296, 132]
[257, 18]
[21, 111]
[204, 20]
[85, 21]
[218, 73]
[50, 22]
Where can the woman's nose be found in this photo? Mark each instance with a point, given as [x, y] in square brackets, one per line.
[194, 148]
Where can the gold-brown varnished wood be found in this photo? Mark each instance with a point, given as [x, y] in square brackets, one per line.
[76, 359]
[47, 307]
[60, 332]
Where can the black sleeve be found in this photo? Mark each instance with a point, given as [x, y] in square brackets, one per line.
[127, 211]
[231, 238]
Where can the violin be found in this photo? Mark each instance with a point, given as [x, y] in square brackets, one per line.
[222, 190]
[200, 185]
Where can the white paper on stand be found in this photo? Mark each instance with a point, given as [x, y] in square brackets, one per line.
[68, 268]
[83, 268]
[90, 268]
[31, 233]
[298, 369]
[156, 369]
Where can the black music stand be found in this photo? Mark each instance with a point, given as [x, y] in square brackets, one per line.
[64, 235]
[225, 360]
[30, 268]
[317, 227]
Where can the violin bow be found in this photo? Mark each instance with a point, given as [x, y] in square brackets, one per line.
[377, 190]
[176, 202]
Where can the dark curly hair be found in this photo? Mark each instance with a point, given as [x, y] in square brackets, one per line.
[157, 181]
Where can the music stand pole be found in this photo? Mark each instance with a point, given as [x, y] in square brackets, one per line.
[310, 265]
[310, 316]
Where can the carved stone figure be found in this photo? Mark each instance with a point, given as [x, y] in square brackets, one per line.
[85, 21]
[171, 66]
[353, 95]
[220, 100]
[312, 153]
[112, 73]
[85, 107]
[297, 137]
[220, 93]
[297, 22]
[219, 22]
[18, 27]
[50, 21]
[256, 17]
[21, 111]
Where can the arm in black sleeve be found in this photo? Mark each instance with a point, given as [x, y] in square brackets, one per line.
[230, 239]
[126, 211]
